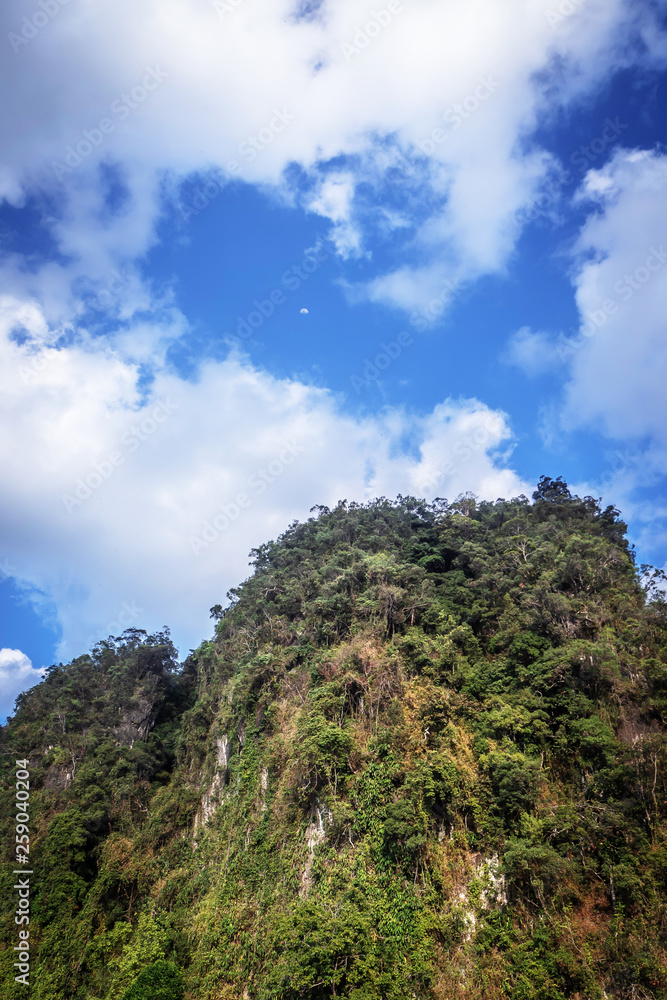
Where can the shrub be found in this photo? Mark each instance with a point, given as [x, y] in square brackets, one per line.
[159, 981]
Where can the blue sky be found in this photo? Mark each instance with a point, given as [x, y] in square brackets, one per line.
[257, 257]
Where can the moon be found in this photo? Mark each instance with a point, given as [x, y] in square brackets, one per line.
[304, 312]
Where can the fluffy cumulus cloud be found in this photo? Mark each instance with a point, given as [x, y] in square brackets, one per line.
[126, 97]
[134, 507]
[616, 365]
[618, 362]
[17, 674]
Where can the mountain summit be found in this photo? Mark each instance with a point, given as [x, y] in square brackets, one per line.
[423, 756]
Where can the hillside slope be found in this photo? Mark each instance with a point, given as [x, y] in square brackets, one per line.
[423, 756]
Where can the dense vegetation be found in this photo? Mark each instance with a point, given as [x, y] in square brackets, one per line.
[422, 757]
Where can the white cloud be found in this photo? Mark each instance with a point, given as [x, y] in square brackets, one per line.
[125, 509]
[617, 365]
[333, 200]
[163, 90]
[533, 351]
[17, 674]
[619, 362]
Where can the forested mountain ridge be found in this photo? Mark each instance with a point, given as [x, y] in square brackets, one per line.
[422, 756]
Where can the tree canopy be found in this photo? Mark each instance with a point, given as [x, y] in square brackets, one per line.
[422, 755]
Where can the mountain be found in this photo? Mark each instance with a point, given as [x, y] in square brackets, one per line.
[423, 756]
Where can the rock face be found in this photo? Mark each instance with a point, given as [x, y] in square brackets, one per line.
[486, 890]
[316, 832]
[136, 723]
[214, 794]
[223, 753]
[264, 787]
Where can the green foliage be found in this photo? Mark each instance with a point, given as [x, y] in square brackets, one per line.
[403, 830]
[144, 948]
[159, 981]
[534, 868]
[515, 780]
[342, 954]
[322, 749]
[422, 756]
